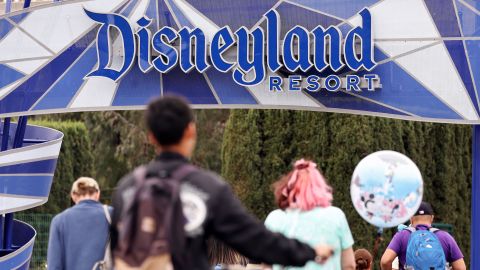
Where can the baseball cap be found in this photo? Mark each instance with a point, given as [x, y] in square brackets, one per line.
[424, 209]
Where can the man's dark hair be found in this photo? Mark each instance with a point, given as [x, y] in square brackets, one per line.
[167, 118]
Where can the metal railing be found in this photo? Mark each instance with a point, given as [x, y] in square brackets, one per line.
[41, 223]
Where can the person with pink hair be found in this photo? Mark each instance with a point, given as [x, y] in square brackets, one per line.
[306, 213]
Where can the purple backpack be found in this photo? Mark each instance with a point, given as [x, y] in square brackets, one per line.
[151, 226]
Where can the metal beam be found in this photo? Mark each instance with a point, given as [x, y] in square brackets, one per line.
[475, 222]
[2, 217]
[27, 3]
[8, 6]
[6, 134]
[17, 143]
[4, 147]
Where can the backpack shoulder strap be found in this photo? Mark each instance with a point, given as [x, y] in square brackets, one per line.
[434, 230]
[107, 214]
[183, 171]
[139, 175]
[157, 168]
[411, 229]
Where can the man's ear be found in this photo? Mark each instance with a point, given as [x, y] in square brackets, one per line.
[74, 198]
[190, 131]
[151, 139]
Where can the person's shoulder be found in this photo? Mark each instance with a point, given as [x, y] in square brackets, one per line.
[60, 217]
[276, 215]
[331, 212]
[444, 235]
[400, 239]
[207, 178]
[335, 210]
[208, 174]
[275, 219]
[403, 234]
[126, 181]
[335, 215]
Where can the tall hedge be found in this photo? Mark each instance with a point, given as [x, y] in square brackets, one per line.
[75, 160]
[242, 142]
[259, 146]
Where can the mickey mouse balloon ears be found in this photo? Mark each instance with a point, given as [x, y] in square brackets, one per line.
[386, 188]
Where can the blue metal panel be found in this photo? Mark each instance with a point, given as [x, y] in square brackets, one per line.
[178, 14]
[18, 260]
[8, 75]
[8, 6]
[192, 86]
[62, 92]
[47, 76]
[20, 17]
[233, 13]
[41, 133]
[151, 13]
[20, 132]
[409, 95]
[469, 20]
[8, 233]
[5, 134]
[292, 15]
[5, 27]
[475, 224]
[23, 235]
[444, 16]
[228, 91]
[129, 8]
[37, 186]
[340, 8]
[141, 95]
[164, 16]
[459, 58]
[26, 4]
[345, 101]
[473, 50]
[2, 226]
[38, 84]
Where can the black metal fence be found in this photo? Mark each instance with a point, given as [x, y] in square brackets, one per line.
[41, 223]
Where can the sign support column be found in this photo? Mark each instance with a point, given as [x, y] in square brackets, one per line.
[475, 222]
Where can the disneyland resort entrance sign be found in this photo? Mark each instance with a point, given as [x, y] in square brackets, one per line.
[296, 52]
[409, 59]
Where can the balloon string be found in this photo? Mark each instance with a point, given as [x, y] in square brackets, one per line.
[378, 239]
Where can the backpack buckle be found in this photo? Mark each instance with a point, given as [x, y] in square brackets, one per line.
[163, 174]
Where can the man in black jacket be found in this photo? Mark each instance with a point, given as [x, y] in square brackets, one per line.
[209, 204]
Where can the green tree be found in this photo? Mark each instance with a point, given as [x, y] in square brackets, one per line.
[352, 138]
[75, 160]
[241, 157]
[210, 129]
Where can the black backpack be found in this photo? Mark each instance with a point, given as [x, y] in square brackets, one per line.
[151, 228]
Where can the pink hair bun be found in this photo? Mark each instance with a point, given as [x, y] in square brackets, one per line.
[307, 188]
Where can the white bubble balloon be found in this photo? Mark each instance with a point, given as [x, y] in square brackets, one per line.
[386, 188]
